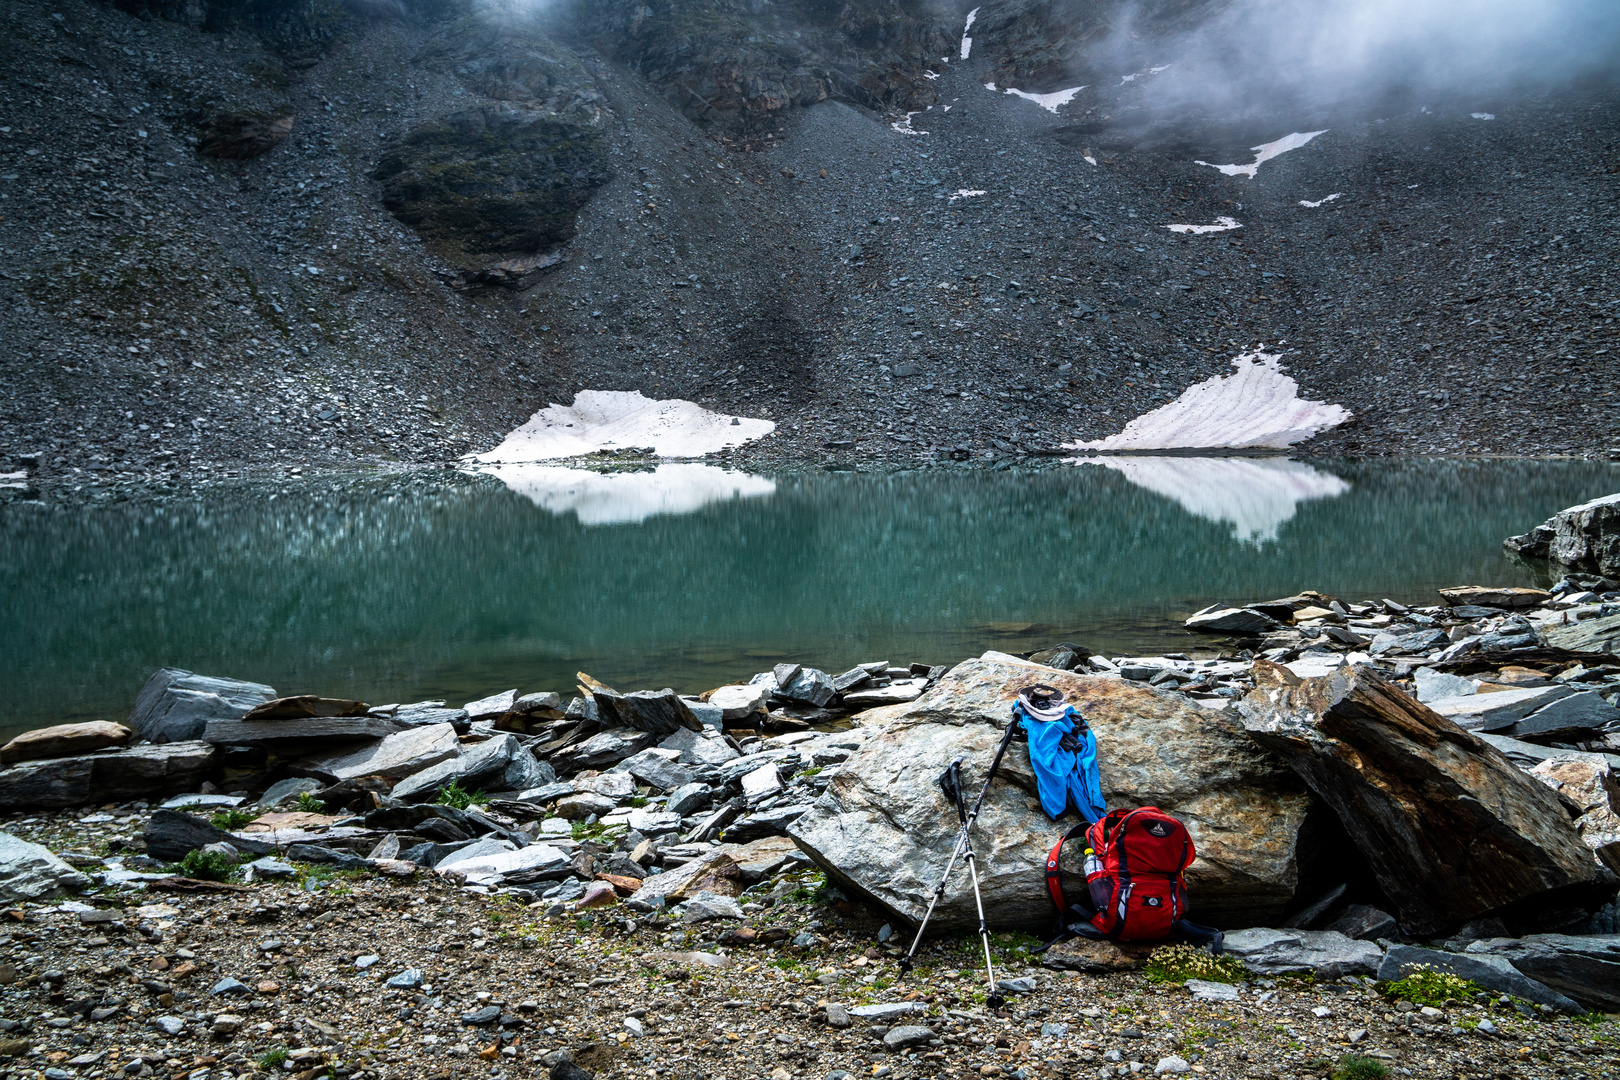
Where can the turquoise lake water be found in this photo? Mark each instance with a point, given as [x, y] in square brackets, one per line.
[444, 585]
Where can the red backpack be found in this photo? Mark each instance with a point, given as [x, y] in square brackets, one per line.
[1134, 862]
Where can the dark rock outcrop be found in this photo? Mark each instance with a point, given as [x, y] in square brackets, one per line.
[1451, 829]
[240, 136]
[1584, 537]
[140, 772]
[739, 65]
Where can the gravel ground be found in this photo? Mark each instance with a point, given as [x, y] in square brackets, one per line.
[165, 311]
[314, 968]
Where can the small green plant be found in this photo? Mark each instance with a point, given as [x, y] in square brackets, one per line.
[230, 820]
[272, 1059]
[309, 804]
[206, 865]
[1421, 985]
[1592, 1019]
[458, 797]
[1178, 963]
[636, 801]
[1359, 1067]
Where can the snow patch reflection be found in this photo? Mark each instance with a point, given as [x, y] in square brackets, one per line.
[1256, 496]
[624, 498]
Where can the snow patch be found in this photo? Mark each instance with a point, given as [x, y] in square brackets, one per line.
[904, 126]
[1256, 496]
[1256, 407]
[1323, 199]
[1483, 116]
[620, 420]
[1137, 75]
[967, 42]
[1050, 102]
[964, 194]
[623, 498]
[1221, 225]
[1265, 152]
[930, 74]
[1090, 160]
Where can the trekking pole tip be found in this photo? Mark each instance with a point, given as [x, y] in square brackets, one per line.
[904, 964]
[996, 1002]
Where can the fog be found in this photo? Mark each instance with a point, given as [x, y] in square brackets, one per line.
[1323, 54]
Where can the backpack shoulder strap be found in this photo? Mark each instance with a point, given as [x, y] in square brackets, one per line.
[1054, 879]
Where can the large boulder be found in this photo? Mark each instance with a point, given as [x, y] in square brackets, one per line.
[1586, 537]
[136, 773]
[30, 872]
[171, 834]
[883, 829]
[1451, 828]
[64, 740]
[176, 705]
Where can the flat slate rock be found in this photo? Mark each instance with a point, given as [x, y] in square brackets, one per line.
[274, 732]
[1497, 710]
[1492, 972]
[1583, 967]
[1566, 720]
[1325, 953]
[64, 740]
[137, 772]
[306, 707]
[1486, 596]
[1600, 635]
[1229, 620]
[498, 764]
[395, 756]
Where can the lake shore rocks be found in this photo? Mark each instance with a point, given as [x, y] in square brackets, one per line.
[64, 740]
[1450, 827]
[884, 831]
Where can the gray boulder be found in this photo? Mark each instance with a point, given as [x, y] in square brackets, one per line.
[883, 830]
[1585, 968]
[700, 748]
[1435, 685]
[176, 705]
[286, 791]
[1324, 953]
[652, 767]
[1586, 537]
[1492, 972]
[808, 686]
[31, 872]
[171, 834]
[498, 764]
[688, 799]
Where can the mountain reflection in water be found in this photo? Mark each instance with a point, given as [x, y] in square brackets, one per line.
[443, 585]
[1256, 495]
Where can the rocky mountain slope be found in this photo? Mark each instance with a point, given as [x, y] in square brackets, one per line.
[301, 232]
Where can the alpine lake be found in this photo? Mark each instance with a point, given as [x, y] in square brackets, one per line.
[418, 585]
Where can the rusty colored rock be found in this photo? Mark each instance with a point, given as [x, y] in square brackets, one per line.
[64, 740]
[1452, 830]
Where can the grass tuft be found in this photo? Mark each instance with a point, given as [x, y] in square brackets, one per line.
[1421, 985]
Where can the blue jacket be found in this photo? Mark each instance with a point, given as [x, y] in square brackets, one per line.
[1064, 775]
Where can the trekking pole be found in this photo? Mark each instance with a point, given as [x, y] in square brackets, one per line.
[994, 999]
[950, 780]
